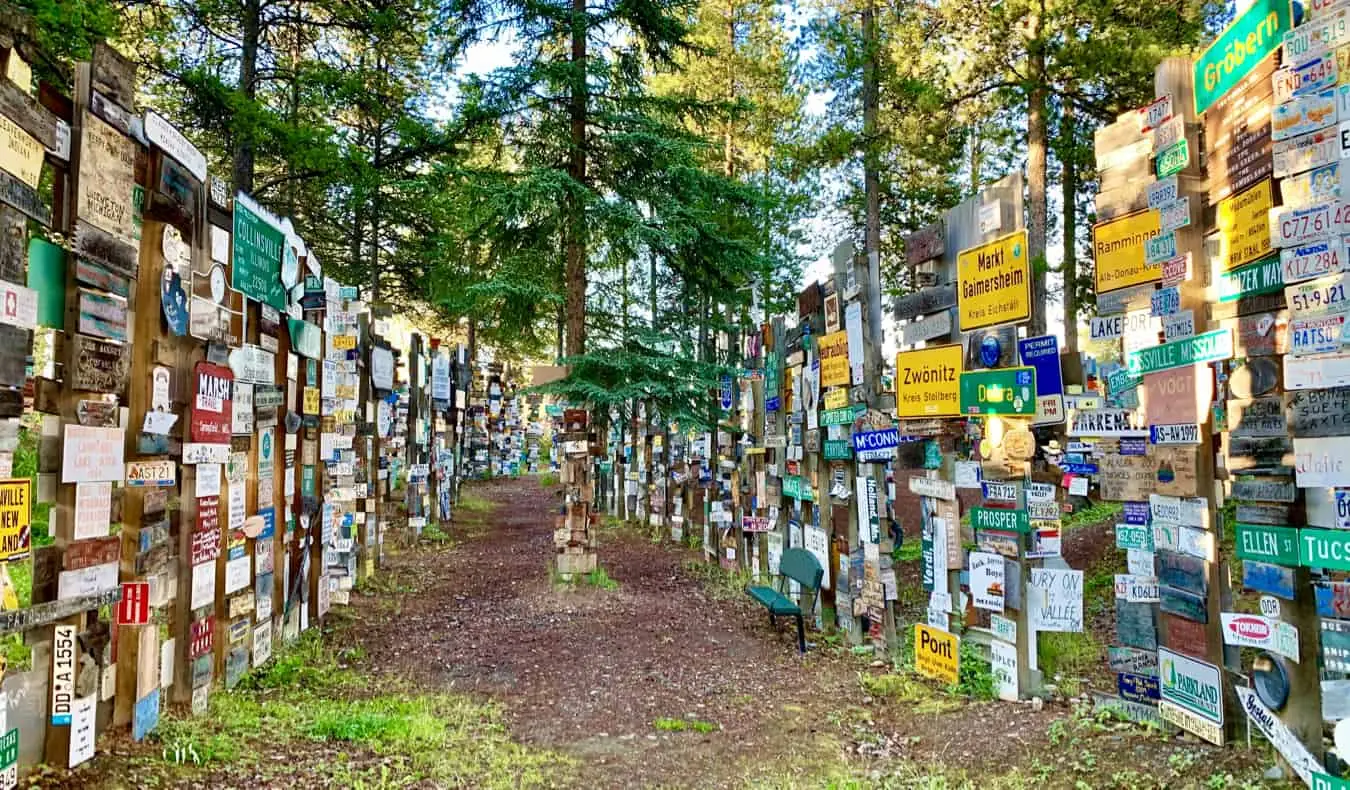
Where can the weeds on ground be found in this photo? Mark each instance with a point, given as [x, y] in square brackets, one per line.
[548, 480]
[1069, 658]
[718, 583]
[599, 578]
[909, 551]
[681, 725]
[472, 503]
[305, 697]
[434, 534]
[1094, 513]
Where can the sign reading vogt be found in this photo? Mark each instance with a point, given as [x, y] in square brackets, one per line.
[876, 445]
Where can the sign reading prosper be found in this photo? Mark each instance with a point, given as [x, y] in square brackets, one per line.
[994, 283]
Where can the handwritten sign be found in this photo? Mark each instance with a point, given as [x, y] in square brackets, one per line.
[1055, 599]
[91, 455]
[107, 179]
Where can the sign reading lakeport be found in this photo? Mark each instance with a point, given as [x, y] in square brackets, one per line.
[928, 382]
[994, 283]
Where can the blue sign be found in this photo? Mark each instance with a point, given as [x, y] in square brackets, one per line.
[269, 517]
[1136, 513]
[1138, 688]
[1133, 447]
[145, 716]
[876, 445]
[1267, 578]
[1078, 469]
[726, 392]
[1042, 353]
[772, 404]
[990, 350]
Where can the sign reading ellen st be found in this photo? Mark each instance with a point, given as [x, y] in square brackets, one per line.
[994, 283]
[928, 382]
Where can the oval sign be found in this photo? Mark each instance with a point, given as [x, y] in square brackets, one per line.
[1259, 376]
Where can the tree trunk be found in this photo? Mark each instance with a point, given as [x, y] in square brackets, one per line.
[1036, 174]
[251, 35]
[574, 295]
[872, 178]
[1069, 160]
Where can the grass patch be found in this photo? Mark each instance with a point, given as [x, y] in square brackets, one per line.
[1094, 513]
[682, 725]
[721, 585]
[1069, 658]
[909, 551]
[472, 503]
[434, 534]
[599, 578]
[304, 697]
[548, 480]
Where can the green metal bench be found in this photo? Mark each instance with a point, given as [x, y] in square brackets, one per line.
[802, 567]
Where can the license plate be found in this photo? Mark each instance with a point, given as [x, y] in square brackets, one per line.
[1306, 152]
[1310, 261]
[1303, 114]
[1316, 74]
[1292, 228]
[1316, 335]
[1318, 297]
[1166, 301]
[1153, 115]
[1175, 215]
[1319, 185]
[1168, 132]
[1161, 193]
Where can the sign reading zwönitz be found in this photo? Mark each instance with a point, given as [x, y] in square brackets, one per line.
[927, 382]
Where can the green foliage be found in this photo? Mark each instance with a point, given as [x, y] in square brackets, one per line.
[548, 480]
[681, 725]
[1094, 513]
[472, 503]
[599, 579]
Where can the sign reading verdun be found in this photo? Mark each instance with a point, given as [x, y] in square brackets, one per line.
[1239, 49]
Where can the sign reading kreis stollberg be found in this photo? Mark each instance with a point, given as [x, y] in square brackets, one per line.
[994, 283]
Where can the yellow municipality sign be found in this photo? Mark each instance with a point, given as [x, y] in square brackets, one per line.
[20, 153]
[835, 398]
[16, 518]
[937, 653]
[1118, 248]
[834, 369]
[994, 283]
[1243, 221]
[928, 382]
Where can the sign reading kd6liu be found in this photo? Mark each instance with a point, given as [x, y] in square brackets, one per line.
[928, 382]
[1118, 247]
[994, 283]
[937, 653]
[1239, 49]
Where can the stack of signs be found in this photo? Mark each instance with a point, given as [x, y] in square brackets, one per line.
[338, 388]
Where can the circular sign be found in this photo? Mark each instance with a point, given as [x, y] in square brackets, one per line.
[991, 350]
[1270, 680]
[1270, 606]
[219, 289]
[176, 251]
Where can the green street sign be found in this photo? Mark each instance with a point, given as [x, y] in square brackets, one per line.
[797, 488]
[1328, 782]
[256, 254]
[1006, 520]
[1121, 381]
[844, 416]
[1002, 391]
[1209, 347]
[837, 449]
[1267, 544]
[1134, 536]
[1264, 276]
[9, 749]
[1324, 548]
[1240, 48]
[1173, 159]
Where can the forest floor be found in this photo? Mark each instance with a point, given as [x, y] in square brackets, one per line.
[464, 664]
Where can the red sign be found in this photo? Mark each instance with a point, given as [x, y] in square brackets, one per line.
[208, 514]
[205, 547]
[203, 634]
[134, 608]
[211, 408]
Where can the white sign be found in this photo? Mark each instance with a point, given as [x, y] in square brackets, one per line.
[1250, 630]
[1055, 598]
[262, 643]
[1270, 606]
[18, 305]
[991, 216]
[237, 574]
[986, 580]
[1004, 628]
[382, 368]
[854, 327]
[1302, 373]
[253, 365]
[163, 134]
[83, 713]
[63, 674]
[86, 581]
[1321, 462]
[208, 480]
[1164, 192]
[91, 455]
[817, 541]
[93, 510]
[203, 585]
[933, 487]
[201, 453]
[1191, 685]
[1137, 588]
[1280, 736]
[1003, 661]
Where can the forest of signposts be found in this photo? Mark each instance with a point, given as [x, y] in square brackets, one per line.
[218, 425]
